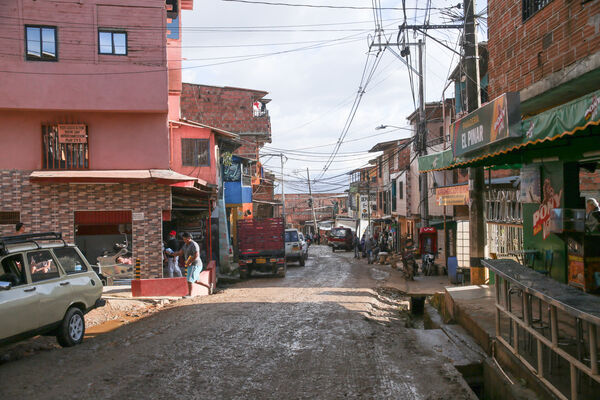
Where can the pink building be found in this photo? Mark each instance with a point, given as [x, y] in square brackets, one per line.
[84, 102]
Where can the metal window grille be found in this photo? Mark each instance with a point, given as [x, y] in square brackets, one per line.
[530, 7]
[194, 152]
[57, 154]
[9, 217]
[504, 240]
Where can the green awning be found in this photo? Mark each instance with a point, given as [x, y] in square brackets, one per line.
[579, 117]
[436, 161]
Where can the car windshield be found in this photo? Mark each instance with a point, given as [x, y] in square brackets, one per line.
[338, 233]
[291, 236]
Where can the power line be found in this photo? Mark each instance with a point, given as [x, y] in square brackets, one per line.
[257, 2]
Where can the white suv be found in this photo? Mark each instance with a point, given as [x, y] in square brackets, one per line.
[45, 289]
[296, 248]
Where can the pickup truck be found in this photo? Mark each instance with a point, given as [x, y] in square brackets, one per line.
[261, 246]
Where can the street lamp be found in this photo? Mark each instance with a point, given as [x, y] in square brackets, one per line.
[380, 127]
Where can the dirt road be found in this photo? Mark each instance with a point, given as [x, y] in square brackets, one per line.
[326, 331]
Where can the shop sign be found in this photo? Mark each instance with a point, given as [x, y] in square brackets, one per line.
[497, 120]
[541, 217]
[364, 206]
[452, 195]
[72, 133]
[137, 216]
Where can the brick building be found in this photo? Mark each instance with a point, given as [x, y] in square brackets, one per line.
[299, 213]
[85, 137]
[243, 112]
[544, 50]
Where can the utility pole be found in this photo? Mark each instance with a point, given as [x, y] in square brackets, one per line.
[282, 193]
[369, 205]
[476, 176]
[422, 140]
[312, 202]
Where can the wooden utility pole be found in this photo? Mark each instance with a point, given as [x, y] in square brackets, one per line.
[282, 193]
[422, 140]
[476, 176]
[312, 202]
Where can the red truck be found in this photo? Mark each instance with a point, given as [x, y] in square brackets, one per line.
[261, 246]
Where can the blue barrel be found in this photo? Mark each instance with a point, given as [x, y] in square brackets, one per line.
[452, 268]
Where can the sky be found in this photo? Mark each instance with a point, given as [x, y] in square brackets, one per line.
[313, 61]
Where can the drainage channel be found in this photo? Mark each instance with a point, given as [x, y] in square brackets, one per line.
[456, 346]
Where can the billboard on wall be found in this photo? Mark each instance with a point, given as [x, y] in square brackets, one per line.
[452, 195]
[497, 120]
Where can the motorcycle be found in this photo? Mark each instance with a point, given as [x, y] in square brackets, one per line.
[115, 265]
[428, 267]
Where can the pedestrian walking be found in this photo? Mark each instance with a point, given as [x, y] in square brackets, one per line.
[191, 253]
[356, 246]
[172, 257]
[362, 246]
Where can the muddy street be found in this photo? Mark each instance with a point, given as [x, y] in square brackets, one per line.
[328, 330]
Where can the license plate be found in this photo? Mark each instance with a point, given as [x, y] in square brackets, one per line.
[296, 247]
[261, 260]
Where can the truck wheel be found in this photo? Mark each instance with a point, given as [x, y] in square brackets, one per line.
[302, 261]
[244, 274]
[333, 249]
[72, 328]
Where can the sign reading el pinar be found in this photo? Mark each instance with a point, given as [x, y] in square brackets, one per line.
[497, 120]
[72, 133]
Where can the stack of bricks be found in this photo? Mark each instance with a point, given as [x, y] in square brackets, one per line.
[51, 207]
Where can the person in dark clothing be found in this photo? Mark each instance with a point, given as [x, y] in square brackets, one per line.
[171, 254]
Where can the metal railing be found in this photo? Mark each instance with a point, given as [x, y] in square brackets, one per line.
[520, 324]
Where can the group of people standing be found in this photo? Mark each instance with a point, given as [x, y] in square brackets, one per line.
[190, 253]
[370, 246]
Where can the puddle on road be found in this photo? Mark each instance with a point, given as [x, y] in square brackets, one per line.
[107, 326]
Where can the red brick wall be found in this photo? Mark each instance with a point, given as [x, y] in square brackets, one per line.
[297, 210]
[51, 207]
[522, 53]
[224, 107]
[589, 183]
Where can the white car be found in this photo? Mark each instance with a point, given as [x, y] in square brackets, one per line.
[294, 250]
[45, 289]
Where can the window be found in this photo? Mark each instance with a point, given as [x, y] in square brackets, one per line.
[9, 217]
[65, 146]
[11, 270]
[194, 152]
[70, 260]
[40, 43]
[112, 42]
[246, 175]
[291, 236]
[42, 266]
[530, 7]
[401, 189]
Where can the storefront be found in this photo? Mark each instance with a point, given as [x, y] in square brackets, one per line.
[555, 151]
[191, 211]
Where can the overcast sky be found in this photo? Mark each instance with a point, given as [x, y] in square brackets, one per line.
[314, 80]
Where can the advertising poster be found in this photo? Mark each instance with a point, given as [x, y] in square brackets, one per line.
[531, 191]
